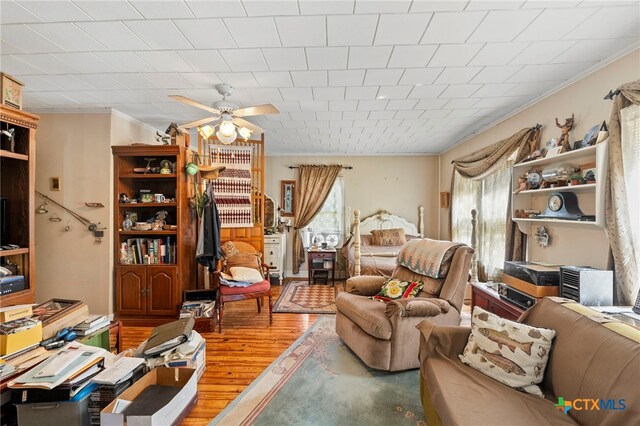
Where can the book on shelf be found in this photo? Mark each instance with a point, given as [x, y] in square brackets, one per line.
[150, 251]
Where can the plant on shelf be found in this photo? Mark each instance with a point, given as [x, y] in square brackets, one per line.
[575, 179]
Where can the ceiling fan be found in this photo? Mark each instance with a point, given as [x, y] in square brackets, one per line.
[228, 117]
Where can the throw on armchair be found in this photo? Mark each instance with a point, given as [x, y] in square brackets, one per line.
[385, 336]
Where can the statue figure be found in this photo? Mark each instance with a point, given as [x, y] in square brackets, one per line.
[564, 137]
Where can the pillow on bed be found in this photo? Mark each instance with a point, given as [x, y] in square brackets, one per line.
[388, 237]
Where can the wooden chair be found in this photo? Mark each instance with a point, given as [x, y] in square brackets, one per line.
[230, 294]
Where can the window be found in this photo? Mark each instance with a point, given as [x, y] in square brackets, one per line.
[330, 219]
[490, 197]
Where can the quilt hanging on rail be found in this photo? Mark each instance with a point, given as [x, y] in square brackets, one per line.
[233, 186]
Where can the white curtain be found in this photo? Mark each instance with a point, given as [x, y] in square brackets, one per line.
[630, 137]
[330, 218]
[490, 197]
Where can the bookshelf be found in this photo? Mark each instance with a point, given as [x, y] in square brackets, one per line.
[17, 196]
[153, 266]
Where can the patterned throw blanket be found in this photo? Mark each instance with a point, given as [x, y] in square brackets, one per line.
[425, 256]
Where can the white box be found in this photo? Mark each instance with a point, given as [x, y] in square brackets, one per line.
[179, 406]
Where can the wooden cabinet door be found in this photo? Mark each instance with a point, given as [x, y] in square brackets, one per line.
[131, 290]
[162, 298]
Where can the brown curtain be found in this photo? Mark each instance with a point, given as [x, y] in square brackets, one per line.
[314, 185]
[482, 163]
[616, 208]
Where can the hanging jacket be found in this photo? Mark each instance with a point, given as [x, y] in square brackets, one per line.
[208, 249]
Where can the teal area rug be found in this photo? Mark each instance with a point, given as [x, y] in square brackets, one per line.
[319, 381]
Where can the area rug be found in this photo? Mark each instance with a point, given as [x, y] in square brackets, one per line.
[319, 381]
[299, 297]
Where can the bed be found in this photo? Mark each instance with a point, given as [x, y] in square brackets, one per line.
[364, 258]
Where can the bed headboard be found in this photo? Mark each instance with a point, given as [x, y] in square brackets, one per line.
[385, 220]
[382, 220]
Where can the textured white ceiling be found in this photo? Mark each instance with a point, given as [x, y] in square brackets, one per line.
[349, 77]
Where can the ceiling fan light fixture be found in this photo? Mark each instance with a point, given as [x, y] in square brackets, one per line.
[206, 131]
[245, 133]
[226, 139]
[227, 128]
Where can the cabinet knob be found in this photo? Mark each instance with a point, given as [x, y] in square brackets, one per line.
[270, 252]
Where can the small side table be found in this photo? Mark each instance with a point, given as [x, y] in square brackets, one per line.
[317, 261]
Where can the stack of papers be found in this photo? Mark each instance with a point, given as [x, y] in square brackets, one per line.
[92, 324]
[61, 376]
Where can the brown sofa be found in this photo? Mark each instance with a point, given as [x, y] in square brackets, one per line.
[384, 336]
[591, 358]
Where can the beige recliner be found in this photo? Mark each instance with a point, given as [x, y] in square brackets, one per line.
[385, 336]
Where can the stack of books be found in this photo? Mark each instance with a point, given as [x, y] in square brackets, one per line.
[92, 324]
[112, 381]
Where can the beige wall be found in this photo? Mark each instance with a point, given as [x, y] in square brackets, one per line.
[399, 184]
[77, 148]
[571, 243]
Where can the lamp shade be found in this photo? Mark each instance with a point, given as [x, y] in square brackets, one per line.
[227, 128]
[226, 139]
[245, 133]
[206, 131]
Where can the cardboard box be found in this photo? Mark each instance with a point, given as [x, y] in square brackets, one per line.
[196, 361]
[11, 313]
[10, 343]
[185, 378]
[11, 91]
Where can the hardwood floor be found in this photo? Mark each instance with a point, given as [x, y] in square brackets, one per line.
[236, 357]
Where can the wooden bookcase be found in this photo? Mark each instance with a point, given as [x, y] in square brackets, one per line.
[17, 190]
[151, 293]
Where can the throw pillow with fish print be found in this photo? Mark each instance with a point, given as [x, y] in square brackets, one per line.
[510, 352]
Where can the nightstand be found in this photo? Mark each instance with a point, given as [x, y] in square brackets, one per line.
[322, 266]
[275, 250]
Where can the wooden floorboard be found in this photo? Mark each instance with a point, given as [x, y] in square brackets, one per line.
[236, 357]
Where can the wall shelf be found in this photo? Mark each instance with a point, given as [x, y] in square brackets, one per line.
[573, 188]
[590, 196]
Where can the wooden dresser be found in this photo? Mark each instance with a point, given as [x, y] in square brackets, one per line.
[489, 300]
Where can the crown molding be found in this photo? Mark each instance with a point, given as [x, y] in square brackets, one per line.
[540, 98]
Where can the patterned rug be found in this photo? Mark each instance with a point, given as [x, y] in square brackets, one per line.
[300, 298]
[319, 381]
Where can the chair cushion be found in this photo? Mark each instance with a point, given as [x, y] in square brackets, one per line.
[366, 313]
[253, 288]
[249, 275]
[244, 260]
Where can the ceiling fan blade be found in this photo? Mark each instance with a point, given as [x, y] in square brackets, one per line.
[197, 123]
[244, 123]
[256, 110]
[194, 103]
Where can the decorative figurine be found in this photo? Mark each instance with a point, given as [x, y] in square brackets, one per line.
[522, 184]
[565, 129]
[542, 237]
[165, 167]
[124, 198]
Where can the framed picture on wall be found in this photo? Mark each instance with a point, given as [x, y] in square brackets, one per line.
[287, 192]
